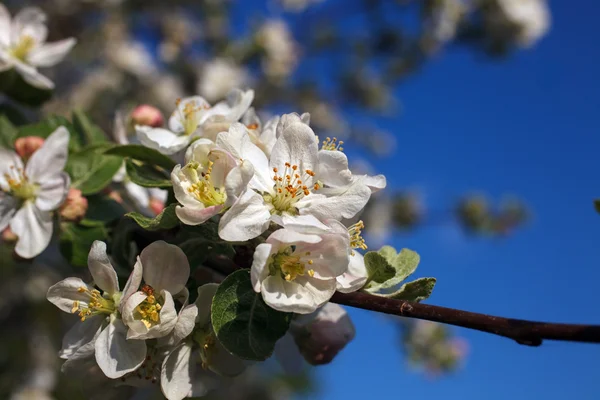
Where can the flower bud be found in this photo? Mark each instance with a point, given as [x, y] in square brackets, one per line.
[26, 146]
[9, 236]
[147, 115]
[156, 205]
[326, 333]
[75, 207]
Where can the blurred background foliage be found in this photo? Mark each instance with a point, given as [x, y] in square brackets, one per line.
[339, 60]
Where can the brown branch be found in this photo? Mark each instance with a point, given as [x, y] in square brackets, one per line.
[524, 332]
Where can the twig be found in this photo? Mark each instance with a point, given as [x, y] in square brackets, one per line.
[524, 332]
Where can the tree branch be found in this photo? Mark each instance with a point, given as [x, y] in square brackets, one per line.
[524, 332]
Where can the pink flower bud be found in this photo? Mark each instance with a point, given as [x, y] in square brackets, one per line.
[147, 115]
[26, 146]
[156, 205]
[325, 334]
[75, 207]
[9, 236]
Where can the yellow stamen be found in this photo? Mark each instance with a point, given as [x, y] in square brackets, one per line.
[97, 304]
[23, 47]
[332, 144]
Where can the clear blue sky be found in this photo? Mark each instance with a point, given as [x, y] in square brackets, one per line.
[530, 126]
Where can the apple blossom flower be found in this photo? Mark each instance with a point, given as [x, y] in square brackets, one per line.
[75, 206]
[180, 376]
[320, 336]
[147, 115]
[531, 16]
[101, 331]
[209, 183]
[150, 312]
[23, 45]
[219, 77]
[281, 51]
[26, 146]
[296, 272]
[29, 194]
[263, 136]
[194, 118]
[284, 188]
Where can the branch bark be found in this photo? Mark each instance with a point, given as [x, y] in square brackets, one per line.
[530, 333]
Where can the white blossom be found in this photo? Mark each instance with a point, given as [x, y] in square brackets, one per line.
[150, 312]
[219, 77]
[101, 331]
[209, 183]
[194, 118]
[29, 194]
[297, 272]
[280, 48]
[284, 188]
[532, 17]
[23, 45]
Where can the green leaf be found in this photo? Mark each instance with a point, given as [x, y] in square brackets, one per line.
[417, 290]
[404, 264]
[243, 323]
[145, 154]
[76, 241]
[49, 125]
[91, 170]
[378, 269]
[17, 89]
[89, 133]
[597, 205]
[146, 175]
[103, 208]
[167, 219]
[8, 133]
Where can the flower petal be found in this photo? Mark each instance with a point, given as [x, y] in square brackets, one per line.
[186, 321]
[128, 313]
[50, 159]
[246, 219]
[53, 192]
[138, 194]
[80, 334]
[237, 181]
[178, 372]
[336, 203]
[196, 216]
[165, 266]
[10, 162]
[259, 270]
[177, 118]
[116, 355]
[32, 76]
[8, 208]
[204, 301]
[50, 54]
[30, 21]
[297, 145]
[34, 229]
[333, 168]
[4, 26]
[356, 276]
[133, 283]
[301, 295]
[64, 293]
[103, 273]
[161, 139]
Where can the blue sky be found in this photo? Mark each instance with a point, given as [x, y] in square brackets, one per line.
[529, 126]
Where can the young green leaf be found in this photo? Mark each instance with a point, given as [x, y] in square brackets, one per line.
[8, 133]
[90, 170]
[417, 290]
[146, 175]
[47, 126]
[378, 269]
[167, 219]
[76, 240]
[88, 132]
[404, 264]
[145, 154]
[244, 324]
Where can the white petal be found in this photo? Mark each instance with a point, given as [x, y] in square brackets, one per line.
[53, 192]
[32, 76]
[177, 373]
[289, 236]
[375, 183]
[336, 203]
[119, 129]
[300, 223]
[103, 273]
[128, 313]
[287, 354]
[204, 301]
[50, 54]
[80, 334]
[356, 276]
[165, 267]
[30, 21]
[81, 360]
[199, 150]
[161, 139]
[197, 215]
[330, 256]
[259, 270]
[177, 118]
[296, 145]
[180, 185]
[34, 229]
[246, 219]
[116, 355]
[301, 295]
[138, 194]
[10, 162]
[64, 293]
[4, 26]
[186, 321]
[268, 136]
[333, 168]
[237, 181]
[50, 159]
[133, 283]
[8, 207]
